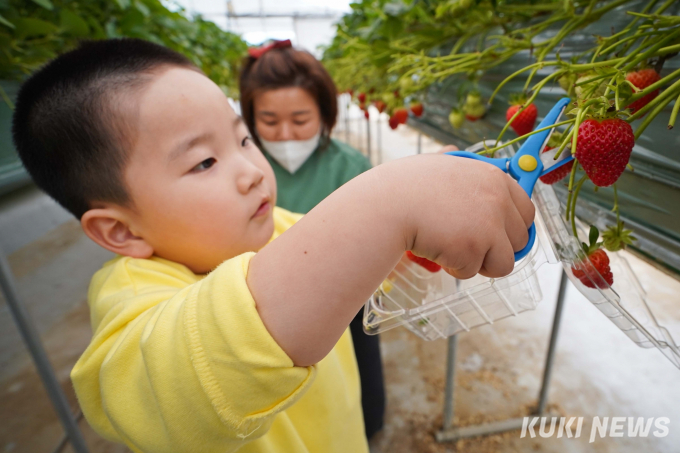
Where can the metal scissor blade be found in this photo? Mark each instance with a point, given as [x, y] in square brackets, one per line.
[549, 162]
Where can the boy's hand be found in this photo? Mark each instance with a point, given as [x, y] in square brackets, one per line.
[310, 282]
[470, 220]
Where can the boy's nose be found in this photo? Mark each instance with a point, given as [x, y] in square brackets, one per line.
[249, 178]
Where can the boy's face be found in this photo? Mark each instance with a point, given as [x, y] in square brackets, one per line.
[202, 192]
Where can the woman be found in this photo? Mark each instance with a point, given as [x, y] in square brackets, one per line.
[289, 103]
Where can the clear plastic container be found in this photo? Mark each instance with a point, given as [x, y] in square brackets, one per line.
[436, 305]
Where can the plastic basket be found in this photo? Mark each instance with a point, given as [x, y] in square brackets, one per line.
[436, 305]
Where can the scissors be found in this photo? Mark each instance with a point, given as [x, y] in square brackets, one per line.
[529, 163]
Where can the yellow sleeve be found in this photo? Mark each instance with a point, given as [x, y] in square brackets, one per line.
[182, 367]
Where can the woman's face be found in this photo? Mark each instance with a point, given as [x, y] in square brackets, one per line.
[286, 114]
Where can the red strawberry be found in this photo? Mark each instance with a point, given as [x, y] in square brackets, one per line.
[524, 123]
[642, 79]
[557, 174]
[361, 97]
[366, 113]
[417, 109]
[401, 115]
[396, 94]
[362, 106]
[380, 105]
[599, 261]
[603, 149]
[424, 262]
[393, 122]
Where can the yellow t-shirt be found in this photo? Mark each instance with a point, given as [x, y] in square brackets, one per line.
[183, 363]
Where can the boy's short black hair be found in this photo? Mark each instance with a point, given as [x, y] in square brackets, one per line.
[66, 127]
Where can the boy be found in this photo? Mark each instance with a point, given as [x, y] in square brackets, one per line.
[200, 344]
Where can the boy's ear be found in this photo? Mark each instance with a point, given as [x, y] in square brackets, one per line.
[109, 228]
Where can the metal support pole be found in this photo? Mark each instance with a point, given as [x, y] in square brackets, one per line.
[450, 381]
[547, 372]
[420, 143]
[32, 339]
[450, 432]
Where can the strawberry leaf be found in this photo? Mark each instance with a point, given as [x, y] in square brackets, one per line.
[593, 235]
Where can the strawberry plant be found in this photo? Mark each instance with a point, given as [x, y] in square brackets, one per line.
[618, 83]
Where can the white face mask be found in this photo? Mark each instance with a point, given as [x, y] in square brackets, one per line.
[291, 154]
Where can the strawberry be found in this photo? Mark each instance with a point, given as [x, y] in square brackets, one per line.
[393, 122]
[362, 106]
[380, 105]
[424, 262]
[642, 79]
[366, 113]
[401, 114]
[524, 123]
[567, 82]
[590, 90]
[473, 108]
[559, 173]
[597, 260]
[361, 97]
[474, 113]
[456, 118]
[603, 149]
[417, 109]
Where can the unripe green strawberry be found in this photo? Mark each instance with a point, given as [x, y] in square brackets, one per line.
[567, 83]
[592, 89]
[473, 113]
[473, 99]
[456, 118]
[603, 149]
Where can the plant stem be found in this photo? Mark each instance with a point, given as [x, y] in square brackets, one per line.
[573, 202]
[674, 113]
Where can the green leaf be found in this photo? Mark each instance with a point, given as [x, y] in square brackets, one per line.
[593, 235]
[142, 8]
[123, 4]
[5, 22]
[73, 24]
[395, 8]
[27, 27]
[47, 4]
[131, 20]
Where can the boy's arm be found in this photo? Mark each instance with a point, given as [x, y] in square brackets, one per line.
[309, 283]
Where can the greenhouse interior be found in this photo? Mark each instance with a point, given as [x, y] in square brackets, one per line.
[272, 227]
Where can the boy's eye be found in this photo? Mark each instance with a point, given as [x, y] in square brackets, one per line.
[300, 123]
[246, 141]
[206, 164]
